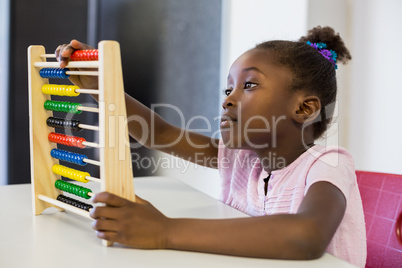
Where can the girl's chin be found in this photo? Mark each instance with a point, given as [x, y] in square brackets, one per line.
[232, 142]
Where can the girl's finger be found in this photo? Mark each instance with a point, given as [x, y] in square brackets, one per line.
[78, 45]
[58, 53]
[109, 199]
[67, 51]
[110, 236]
[105, 212]
[105, 225]
[139, 200]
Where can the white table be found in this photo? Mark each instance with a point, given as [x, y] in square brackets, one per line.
[62, 239]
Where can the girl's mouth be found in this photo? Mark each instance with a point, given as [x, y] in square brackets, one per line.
[227, 120]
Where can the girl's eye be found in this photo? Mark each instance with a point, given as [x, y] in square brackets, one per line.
[226, 92]
[248, 85]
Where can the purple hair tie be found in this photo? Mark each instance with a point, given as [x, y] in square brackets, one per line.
[329, 54]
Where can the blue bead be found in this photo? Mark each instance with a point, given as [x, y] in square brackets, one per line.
[63, 72]
[53, 153]
[54, 73]
[69, 156]
[82, 160]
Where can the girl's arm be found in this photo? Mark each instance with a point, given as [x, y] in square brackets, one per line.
[152, 131]
[147, 127]
[304, 235]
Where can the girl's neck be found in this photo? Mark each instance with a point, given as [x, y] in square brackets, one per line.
[281, 156]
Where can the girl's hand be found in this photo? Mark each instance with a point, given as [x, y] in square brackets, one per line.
[63, 53]
[136, 224]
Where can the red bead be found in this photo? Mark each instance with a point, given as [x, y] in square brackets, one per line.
[84, 55]
[79, 143]
[66, 140]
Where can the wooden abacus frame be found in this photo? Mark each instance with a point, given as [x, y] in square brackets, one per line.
[114, 152]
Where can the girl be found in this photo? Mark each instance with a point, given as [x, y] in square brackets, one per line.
[304, 198]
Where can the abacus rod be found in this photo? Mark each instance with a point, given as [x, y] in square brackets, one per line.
[71, 64]
[84, 126]
[91, 73]
[90, 161]
[48, 55]
[68, 207]
[92, 179]
[88, 109]
[90, 144]
[87, 91]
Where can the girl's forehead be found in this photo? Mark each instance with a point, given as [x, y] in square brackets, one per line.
[263, 60]
[256, 56]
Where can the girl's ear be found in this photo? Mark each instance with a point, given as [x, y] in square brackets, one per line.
[308, 108]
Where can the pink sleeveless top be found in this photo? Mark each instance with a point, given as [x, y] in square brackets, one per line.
[243, 188]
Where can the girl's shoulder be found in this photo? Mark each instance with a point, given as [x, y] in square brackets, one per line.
[318, 155]
[330, 154]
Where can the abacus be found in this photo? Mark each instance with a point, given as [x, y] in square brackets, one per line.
[115, 168]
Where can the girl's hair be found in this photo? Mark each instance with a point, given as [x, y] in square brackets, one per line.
[312, 72]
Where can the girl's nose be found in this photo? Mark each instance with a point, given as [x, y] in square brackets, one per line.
[228, 102]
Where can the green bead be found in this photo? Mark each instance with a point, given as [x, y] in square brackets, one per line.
[64, 107]
[74, 190]
[46, 105]
[67, 107]
[81, 193]
[84, 193]
[57, 106]
[87, 192]
[74, 108]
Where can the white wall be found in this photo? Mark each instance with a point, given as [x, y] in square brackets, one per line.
[375, 125]
[4, 39]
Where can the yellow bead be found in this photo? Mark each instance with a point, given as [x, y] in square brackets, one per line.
[73, 92]
[70, 173]
[53, 89]
[69, 91]
[45, 89]
[63, 90]
[60, 90]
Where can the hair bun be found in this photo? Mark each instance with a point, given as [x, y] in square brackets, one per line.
[334, 41]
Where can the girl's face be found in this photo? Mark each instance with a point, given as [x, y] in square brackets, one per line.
[258, 104]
